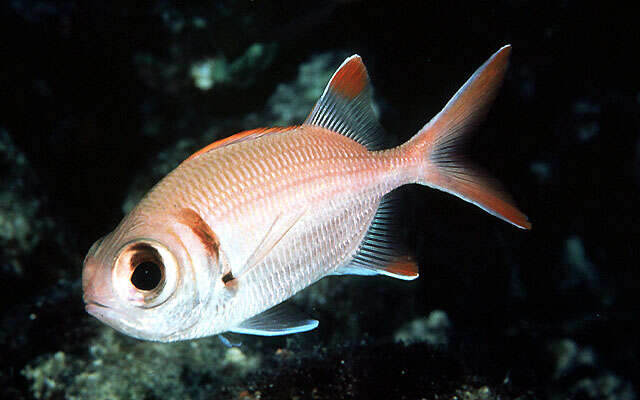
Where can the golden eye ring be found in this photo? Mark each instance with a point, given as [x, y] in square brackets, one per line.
[145, 273]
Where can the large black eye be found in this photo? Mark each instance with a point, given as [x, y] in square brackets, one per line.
[146, 276]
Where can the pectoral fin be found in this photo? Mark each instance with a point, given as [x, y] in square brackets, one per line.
[282, 319]
[280, 226]
[227, 342]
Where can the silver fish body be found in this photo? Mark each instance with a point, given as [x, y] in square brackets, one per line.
[245, 223]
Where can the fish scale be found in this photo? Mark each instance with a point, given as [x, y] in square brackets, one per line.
[248, 221]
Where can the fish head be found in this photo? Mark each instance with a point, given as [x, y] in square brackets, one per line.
[152, 282]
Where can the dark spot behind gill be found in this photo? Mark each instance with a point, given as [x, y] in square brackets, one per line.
[228, 277]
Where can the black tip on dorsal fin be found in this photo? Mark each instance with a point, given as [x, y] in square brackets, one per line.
[345, 106]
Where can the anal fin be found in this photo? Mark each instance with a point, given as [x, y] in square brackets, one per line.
[282, 319]
[380, 252]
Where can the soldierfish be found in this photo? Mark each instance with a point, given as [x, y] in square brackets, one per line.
[246, 222]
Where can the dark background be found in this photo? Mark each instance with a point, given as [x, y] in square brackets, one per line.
[92, 91]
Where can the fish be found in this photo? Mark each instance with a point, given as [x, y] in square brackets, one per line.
[221, 242]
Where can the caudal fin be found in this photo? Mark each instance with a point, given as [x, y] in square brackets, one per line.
[438, 142]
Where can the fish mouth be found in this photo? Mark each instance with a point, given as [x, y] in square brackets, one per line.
[100, 311]
[120, 320]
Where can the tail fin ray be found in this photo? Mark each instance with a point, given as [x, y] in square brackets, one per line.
[438, 141]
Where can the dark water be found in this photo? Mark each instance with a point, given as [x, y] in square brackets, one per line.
[101, 99]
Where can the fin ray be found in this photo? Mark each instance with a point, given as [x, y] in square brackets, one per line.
[380, 252]
[282, 319]
[439, 141]
[278, 229]
[238, 137]
[345, 106]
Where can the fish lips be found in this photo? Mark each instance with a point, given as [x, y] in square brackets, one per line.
[100, 311]
[105, 313]
[123, 321]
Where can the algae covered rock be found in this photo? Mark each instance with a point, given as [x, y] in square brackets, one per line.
[118, 367]
[21, 225]
[29, 234]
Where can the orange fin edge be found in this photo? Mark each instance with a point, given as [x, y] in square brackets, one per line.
[238, 137]
[438, 143]
[403, 268]
[351, 78]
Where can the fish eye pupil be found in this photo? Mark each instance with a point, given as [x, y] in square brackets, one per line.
[146, 276]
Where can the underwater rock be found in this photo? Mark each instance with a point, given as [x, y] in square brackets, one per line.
[118, 367]
[240, 72]
[605, 387]
[587, 114]
[29, 234]
[20, 228]
[568, 357]
[585, 372]
[37, 260]
[432, 329]
[580, 271]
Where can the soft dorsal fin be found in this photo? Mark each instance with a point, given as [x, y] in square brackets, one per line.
[238, 137]
[380, 252]
[345, 106]
[282, 319]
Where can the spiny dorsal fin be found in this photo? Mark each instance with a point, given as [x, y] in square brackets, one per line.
[380, 252]
[237, 138]
[345, 106]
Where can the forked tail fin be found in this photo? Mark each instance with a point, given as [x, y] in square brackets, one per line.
[438, 142]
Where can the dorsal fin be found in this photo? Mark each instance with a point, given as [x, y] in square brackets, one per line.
[380, 252]
[345, 106]
[238, 137]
